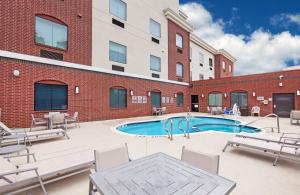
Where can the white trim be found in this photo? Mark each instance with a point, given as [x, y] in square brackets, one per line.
[30, 58]
[179, 20]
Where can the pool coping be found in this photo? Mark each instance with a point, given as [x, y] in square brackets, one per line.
[114, 128]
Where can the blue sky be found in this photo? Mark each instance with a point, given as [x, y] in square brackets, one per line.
[243, 26]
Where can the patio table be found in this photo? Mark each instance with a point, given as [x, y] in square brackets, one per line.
[159, 174]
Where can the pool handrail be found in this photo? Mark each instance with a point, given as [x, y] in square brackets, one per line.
[264, 117]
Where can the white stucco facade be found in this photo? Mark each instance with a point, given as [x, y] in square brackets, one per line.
[135, 36]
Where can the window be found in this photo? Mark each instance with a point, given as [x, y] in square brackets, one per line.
[239, 98]
[201, 77]
[230, 70]
[118, 98]
[117, 52]
[179, 99]
[223, 65]
[51, 33]
[155, 28]
[210, 62]
[191, 54]
[215, 99]
[179, 70]
[191, 75]
[118, 8]
[50, 97]
[201, 58]
[179, 41]
[155, 63]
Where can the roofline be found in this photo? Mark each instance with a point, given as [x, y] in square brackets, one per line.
[226, 54]
[30, 58]
[179, 20]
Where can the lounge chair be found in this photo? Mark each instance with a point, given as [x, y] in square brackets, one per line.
[163, 110]
[203, 161]
[295, 116]
[9, 137]
[73, 119]
[50, 169]
[255, 111]
[37, 122]
[289, 148]
[111, 158]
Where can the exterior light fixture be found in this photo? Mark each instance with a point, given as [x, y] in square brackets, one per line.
[175, 95]
[149, 93]
[16, 73]
[225, 95]
[253, 93]
[76, 89]
[202, 95]
[280, 84]
[298, 92]
[131, 92]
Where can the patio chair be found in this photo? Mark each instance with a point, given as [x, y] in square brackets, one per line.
[209, 110]
[35, 122]
[289, 148]
[59, 120]
[52, 167]
[10, 137]
[155, 111]
[295, 116]
[111, 158]
[203, 161]
[73, 119]
[255, 111]
[163, 110]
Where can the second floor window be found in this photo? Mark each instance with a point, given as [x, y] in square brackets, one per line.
[155, 63]
[201, 77]
[117, 52]
[179, 70]
[50, 33]
[210, 62]
[155, 28]
[118, 8]
[179, 41]
[201, 58]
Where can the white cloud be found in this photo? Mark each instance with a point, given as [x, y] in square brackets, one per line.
[259, 52]
[285, 20]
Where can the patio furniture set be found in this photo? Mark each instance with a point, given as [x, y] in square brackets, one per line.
[159, 111]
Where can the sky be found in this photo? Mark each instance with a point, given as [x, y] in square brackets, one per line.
[263, 36]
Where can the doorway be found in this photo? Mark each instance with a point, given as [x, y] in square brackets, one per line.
[283, 104]
[195, 103]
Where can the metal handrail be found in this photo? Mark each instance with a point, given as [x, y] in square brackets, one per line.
[185, 131]
[169, 131]
[269, 115]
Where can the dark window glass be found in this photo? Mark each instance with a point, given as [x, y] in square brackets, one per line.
[210, 62]
[51, 33]
[179, 99]
[215, 99]
[155, 99]
[239, 98]
[50, 97]
[118, 98]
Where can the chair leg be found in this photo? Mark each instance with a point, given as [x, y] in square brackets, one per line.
[41, 183]
[31, 126]
[224, 149]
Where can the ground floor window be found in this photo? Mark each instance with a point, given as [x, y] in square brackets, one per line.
[179, 99]
[239, 98]
[215, 99]
[156, 99]
[118, 98]
[50, 97]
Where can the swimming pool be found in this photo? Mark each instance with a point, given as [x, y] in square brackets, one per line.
[197, 124]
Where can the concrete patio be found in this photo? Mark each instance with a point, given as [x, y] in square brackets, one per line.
[252, 171]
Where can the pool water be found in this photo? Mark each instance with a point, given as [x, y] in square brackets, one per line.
[197, 124]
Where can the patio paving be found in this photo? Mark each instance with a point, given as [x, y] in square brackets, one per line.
[252, 171]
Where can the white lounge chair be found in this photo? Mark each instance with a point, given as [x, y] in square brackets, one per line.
[295, 116]
[289, 148]
[9, 137]
[203, 161]
[27, 176]
[111, 158]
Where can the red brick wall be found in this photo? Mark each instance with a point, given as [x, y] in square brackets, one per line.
[219, 71]
[92, 103]
[18, 18]
[263, 85]
[174, 56]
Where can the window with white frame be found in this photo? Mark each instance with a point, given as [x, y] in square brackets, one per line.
[191, 53]
[201, 58]
[223, 65]
[201, 77]
[179, 41]
[117, 52]
[230, 70]
[179, 70]
[118, 8]
[155, 29]
[155, 63]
